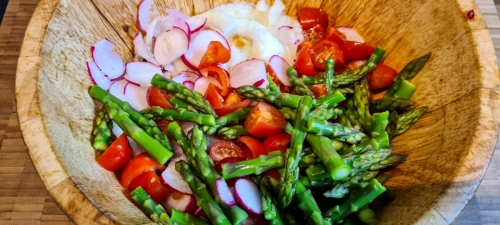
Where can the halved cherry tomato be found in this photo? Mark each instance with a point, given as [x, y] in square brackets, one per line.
[274, 174]
[304, 64]
[314, 34]
[140, 164]
[254, 145]
[309, 17]
[279, 141]
[356, 50]
[216, 54]
[332, 34]
[229, 108]
[224, 149]
[276, 79]
[325, 50]
[319, 90]
[381, 77]
[232, 98]
[220, 75]
[264, 120]
[157, 97]
[152, 185]
[117, 155]
[213, 97]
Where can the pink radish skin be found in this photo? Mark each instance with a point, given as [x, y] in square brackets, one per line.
[247, 73]
[174, 179]
[97, 76]
[351, 34]
[145, 14]
[136, 96]
[198, 46]
[142, 50]
[108, 61]
[259, 83]
[201, 85]
[170, 46]
[141, 73]
[224, 193]
[280, 66]
[248, 196]
[186, 76]
[117, 89]
[181, 202]
[196, 23]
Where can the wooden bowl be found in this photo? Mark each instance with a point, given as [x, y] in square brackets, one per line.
[449, 148]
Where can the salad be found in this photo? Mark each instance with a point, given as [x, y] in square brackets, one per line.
[245, 115]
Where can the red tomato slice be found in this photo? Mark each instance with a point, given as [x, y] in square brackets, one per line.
[212, 96]
[220, 75]
[274, 174]
[157, 97]
[304, 64]
[283, 88]
[254, 145]
[138, 165]
[279, 141]
[216, 54]
[264, 120]
[225, 149]
[232, 98]
[314, 34]
[332, 34]
[117, 155]
[356, 50]
[229, 108]
[152, 185]
[309, 17]
[319, 90]
[325, 50]
[381, 77]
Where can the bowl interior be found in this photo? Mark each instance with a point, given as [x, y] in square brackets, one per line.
[449, 148]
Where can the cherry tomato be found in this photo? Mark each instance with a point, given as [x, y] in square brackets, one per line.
[283, 88]
[117, 155]
[279, 141]
[152, 185]
[309, 17]
[225, 149]
[157, 97]
[356, 50]
[319, 90]
[332, 34]
[381, 77]
[216, 54]
[138, 165]
[213, 97]
[314, 34]
[304, 64]
[264, 120]
[256, 148]
[274, 174]
[220, 75]
[229, 108]
[232, 98]
[325, 50]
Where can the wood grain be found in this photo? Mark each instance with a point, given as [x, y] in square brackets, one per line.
[449, 148]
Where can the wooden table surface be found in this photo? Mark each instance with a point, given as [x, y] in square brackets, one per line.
[23, 197]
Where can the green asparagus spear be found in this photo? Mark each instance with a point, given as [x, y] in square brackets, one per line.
[203, 197]
[405, 90]
[325, 114]
[360, 180]
[308, 205]
[381, 141]
[323, 127]
[321, 184]
[328, 76]
[353, 119]
[391, 104]
[179, 103]
[345, 90]
[344, 120]
[310, 80]
[272, 85]
[392, 125]
[408, 118]
[151, 145]
[407, 73]
[379, 123]
[181, 92]
[233, 132]
[324, 150]
[298, 84]
[229, 119]
[181, 218]
[271, 212]
[317, 172]
[364, 161]
[391, 160]
[262, 94]
[329, 101]
[367, 216]
[361, 97]
[382, 178]
[156, 112]
[253, 166]
[155, 211]
[102, 131]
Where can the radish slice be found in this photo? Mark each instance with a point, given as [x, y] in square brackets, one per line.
[97, 75]
[170, 46]
[141, 73]
[148, 39]
[201, 85]
[196, 23]
[186, 127]
[145, 14]
[248, 196]
[142, 50]
[108, 61]
[174, 179]
[351, 34]
[188, 76]
[136, 148]
[247, 73]
[181, 202]
[224, 193]
[280, 66]
[168, 23]
[287, 37]
[136, 96]
[178, 153]
[117, 89]
[199, 46]
[262, 6]
[116, 130]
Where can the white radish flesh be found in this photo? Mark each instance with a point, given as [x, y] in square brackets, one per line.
[289, 39]
[116, 130]
[248, 196]
[97, 76]
[136, 148]
[145, 14]
[179, 20]
[196, 23]
[118, 89]
[351, 34]
[247, 73]
[199, 46]
[108, 61]
[201, 85]
[224, 193]
[170, 46]
[279, 66]
[186, 76]
[181, 202]
[261, 6]
[141, 73]
[142, 50]
[174, 179]
[136, 96]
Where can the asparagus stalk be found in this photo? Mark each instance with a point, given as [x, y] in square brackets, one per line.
[309, 80]
[344, 120]
[328, 76]
[353, 119]
[271, 212]
[324, 150]
[232, 118]
[179, 103]
[367, 216]
[233, 132]
[180, 218]
[322, 184]
[148, 125]
[155, 211]
[262, 94]
[360, 180]
[345, 90]
[102, 132]
[391, 104]
[181, 92]
[156, 112]
[408, 118]
[325, 128]
[308, 205]
[329, 101]
[298, 84]
[407, 73]
[379, 123]
[318, 172]
[253, 166]
[151, 145]
[203, 197]
[381, 141]
[361, 96]
[325, 114]
[405, 90]
[364, 161]
[272, 85]
[391, 160]
[392, 125]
